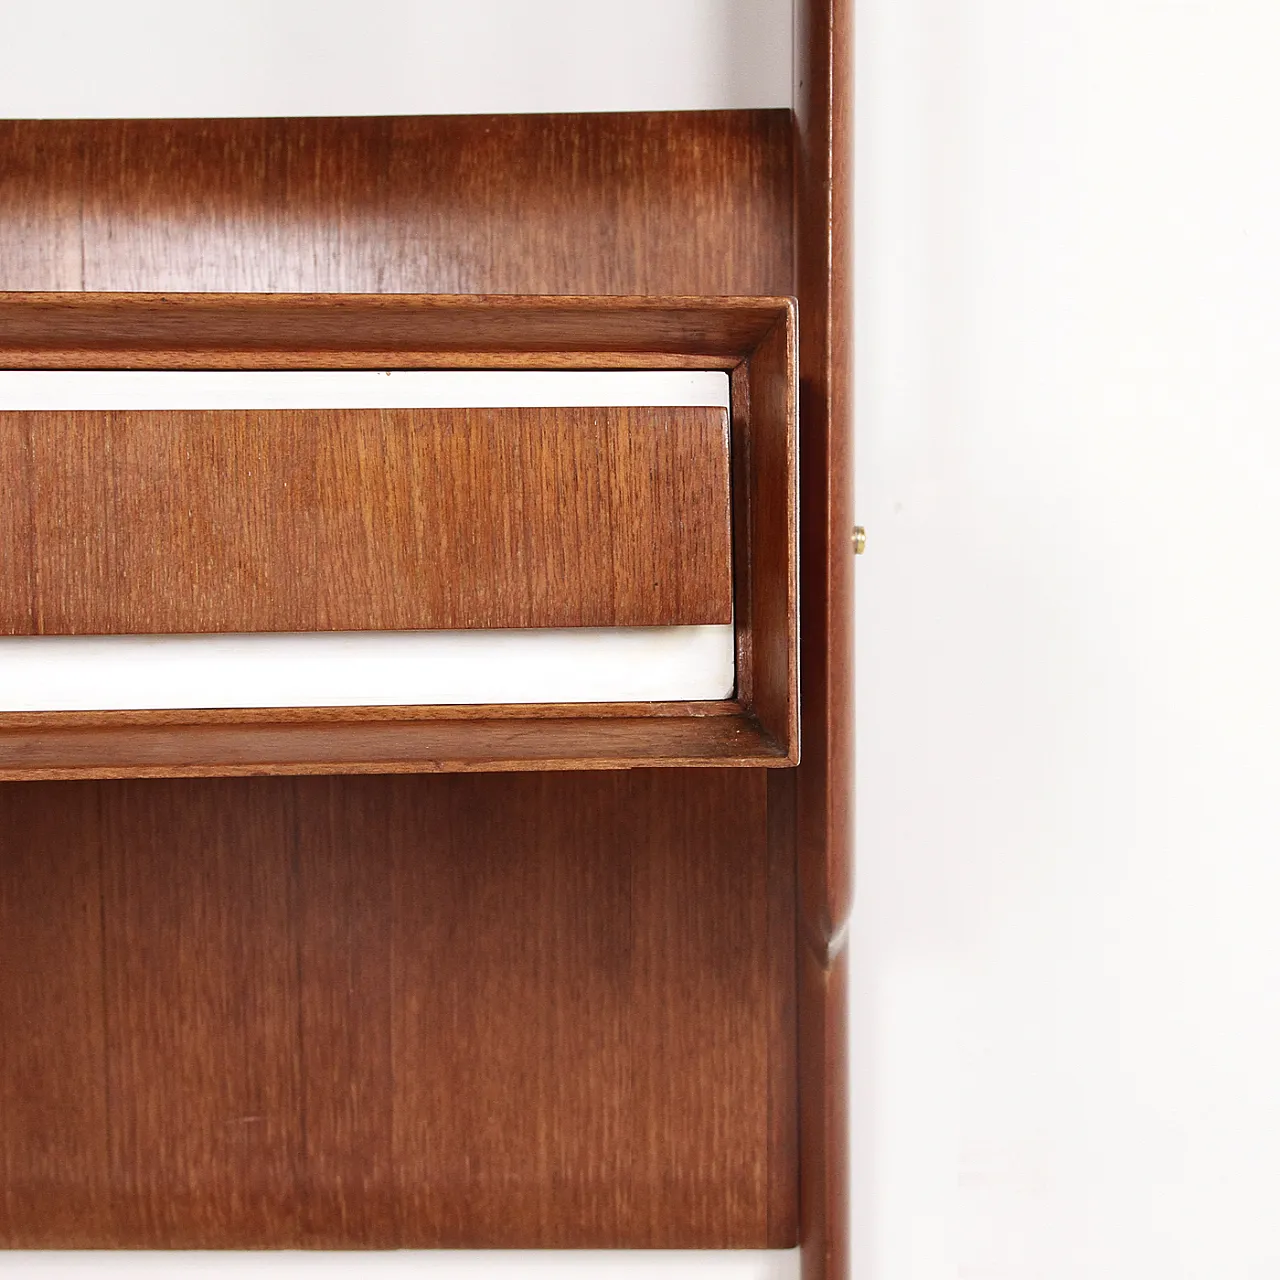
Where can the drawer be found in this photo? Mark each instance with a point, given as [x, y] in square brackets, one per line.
[477, 516]
[157, 522]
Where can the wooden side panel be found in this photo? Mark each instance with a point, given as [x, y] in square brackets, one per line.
[774, 517]
[351, 520]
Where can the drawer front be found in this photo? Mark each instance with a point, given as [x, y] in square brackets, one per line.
[163, 522]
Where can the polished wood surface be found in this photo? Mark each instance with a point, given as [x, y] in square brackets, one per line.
[594, 973]
[629, 203]
[163, 522]
[427, 1012]
[772, 497]
[824, 1114]
[825, 780]
[824, 236]
[54, 1185]
[474, 741]
[369, 331]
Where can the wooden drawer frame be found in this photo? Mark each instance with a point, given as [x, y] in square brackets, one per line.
[754, 340]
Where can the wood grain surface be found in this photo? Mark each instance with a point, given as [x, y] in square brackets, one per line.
[554, 1009]
[419, 1012]
[771, 493]
[54, 1134]
[674, 203]
[825, 779]
[354, 520]
[823, 185]
[371, 331]
[230, 746]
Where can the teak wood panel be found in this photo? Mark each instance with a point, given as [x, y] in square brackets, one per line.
[416, 1012]
[351, 520]
[663, 203]
[688, 203]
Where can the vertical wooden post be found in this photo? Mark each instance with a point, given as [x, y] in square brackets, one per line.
[824, 801]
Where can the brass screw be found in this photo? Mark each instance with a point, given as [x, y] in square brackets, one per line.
[859, 539]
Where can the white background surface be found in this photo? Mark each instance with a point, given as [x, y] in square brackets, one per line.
[78, 58]
[1066, 995]
[1066, 968]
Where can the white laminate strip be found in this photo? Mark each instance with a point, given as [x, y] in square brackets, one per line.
[27, 389]
[366, 668]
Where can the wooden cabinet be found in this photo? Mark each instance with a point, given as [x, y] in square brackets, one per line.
[486, 983]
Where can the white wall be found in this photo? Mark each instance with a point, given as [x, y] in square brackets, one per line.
[85, 58]
[1066, 1001]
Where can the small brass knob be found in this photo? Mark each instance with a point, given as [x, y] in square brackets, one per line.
[859, 539]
